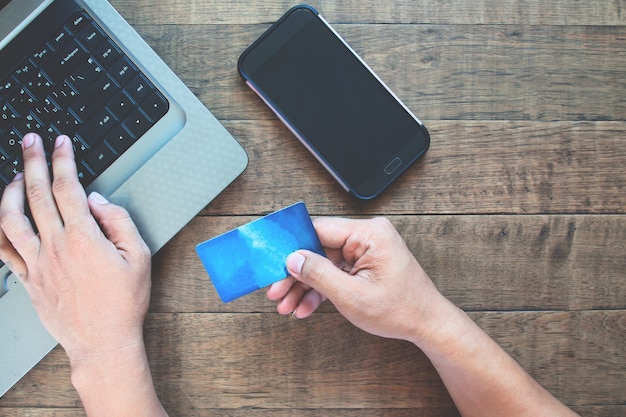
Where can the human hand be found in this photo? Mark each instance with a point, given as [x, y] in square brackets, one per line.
[87, 271]
[375, 282]
[370, 276]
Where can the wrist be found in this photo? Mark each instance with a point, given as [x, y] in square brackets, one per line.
[105, 363]
[122, 373]
[441, 327]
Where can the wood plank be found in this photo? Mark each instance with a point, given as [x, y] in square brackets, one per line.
[489, 72]
[601, 411]
[588, 411]
[251, 412]
[42, 412]
[573, 347]
[518, 211]
[261, 360]
[471, 167]
[325, 362]
[479, 262]
[555, 12]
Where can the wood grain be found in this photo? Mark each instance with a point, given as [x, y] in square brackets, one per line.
[479, 262]
[587, 411]
[486, 72]
[261, 360]
[536, 12]
[517, 211]
[470, 168]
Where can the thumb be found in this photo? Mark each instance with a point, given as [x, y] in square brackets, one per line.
[116, 223]
[319, 273]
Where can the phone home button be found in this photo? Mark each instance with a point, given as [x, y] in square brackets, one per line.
[393, 165]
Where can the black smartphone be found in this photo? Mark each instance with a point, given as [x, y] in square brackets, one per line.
[333, 102]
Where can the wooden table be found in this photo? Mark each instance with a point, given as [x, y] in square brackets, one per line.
[518, 210]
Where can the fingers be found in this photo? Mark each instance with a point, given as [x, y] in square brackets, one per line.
[18, 240]
[314, 278]
[68, 192]
[42, 205]
[308, 304]
[333, 231]
[278, 290]
[319, 273]
[346, 240]
[117, 226]
[295, 298]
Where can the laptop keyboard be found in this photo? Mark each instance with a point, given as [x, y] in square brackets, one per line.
[77, 82]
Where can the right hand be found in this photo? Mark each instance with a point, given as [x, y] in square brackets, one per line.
[370, 276]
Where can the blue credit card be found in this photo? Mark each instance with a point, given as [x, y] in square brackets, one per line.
[253, 256]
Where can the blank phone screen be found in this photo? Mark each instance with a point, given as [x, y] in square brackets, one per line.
[337, 105]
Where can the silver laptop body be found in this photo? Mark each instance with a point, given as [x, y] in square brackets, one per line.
[164, 179]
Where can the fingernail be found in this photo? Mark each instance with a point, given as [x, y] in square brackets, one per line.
[294, 262]
[18, 176]
[28, 140]
[98, 198]
[59, 141]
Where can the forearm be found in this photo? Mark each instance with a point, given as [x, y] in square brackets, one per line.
[118, 384]
[481, 377]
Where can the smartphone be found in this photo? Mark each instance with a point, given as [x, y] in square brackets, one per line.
[341, 111]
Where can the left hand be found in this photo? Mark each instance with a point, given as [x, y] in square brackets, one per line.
[87, 270]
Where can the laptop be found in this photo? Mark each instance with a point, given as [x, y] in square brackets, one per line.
[142, 139]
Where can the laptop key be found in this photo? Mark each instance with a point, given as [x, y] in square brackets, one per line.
[91, 100]
[155, 106]
[139, 88]
[24, 71]
[123, 71]
[77, 22]
[121, 105]
[8, 87]
[63, 95]
[85, 176]
[46, 110]
[66, 122]
[97, 126]
[60, 38]
[42, 54]
[91, 36]
[21, 100]
[3, 160]
[38, 84]
[80, 148]
[120, 139]
[28, 124]
[137, 123]
[7, 117]
[12, 168]
[100, 158]
[86, 73]
[48, 137]
[12, 141]
[107, 53]
[65, 61]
